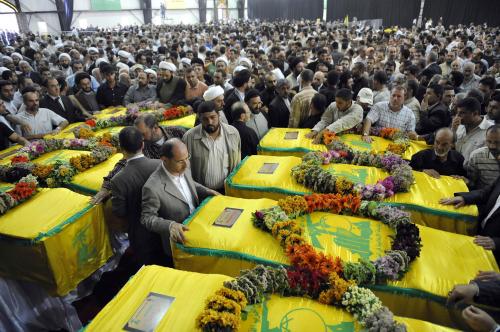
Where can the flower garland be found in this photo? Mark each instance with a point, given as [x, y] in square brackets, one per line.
[23, 190]
[320, 276]
[133, 111]
[400, 139]
[59, 173]
[310, 173]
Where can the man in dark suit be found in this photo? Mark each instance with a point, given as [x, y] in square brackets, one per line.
[437, 114]
[240, 83]
[170, 194]
[432, 67]
[279, 108]
[249, 139]
[488, 201]
[85, 95]
[60, 105]
[126, 188]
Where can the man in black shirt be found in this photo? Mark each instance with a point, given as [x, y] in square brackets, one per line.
[440, 160]
[249, 139]
[110, 93]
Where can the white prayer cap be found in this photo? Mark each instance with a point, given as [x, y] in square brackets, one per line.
[168, 66]
[150, 71]
[6, 58]
[2, 69]
[137, 66]
[93, 50]
[238, 69]
[17, 55]
[98, 61]
[221, 59]
[64, 55]
[121, 65]
[9, 48]
[365, 95]
[213, 92]
[123, 53]
[245, 61]
[277, 72]
[186, 61]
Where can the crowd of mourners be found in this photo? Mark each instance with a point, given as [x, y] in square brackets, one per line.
[437, 84]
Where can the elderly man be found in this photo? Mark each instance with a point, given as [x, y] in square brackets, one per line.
[302, 100]
[215, 148]
[441, 160]
[170, 89]
[392, 114]
[27, 71]
[170, 195]
[194, 87]
[111, 92]
[471, 80]
[40, 120]
[340, 116]
[484, 166]
[140, 92]
[269, 92]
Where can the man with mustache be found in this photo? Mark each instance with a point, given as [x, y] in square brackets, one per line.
[441, 159]
[214, 146]
[484, 164]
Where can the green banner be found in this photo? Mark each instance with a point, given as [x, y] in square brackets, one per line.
[105, 4]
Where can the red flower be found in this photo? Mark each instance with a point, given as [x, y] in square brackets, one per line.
[22, 190]
[19, 159]
[90, 122]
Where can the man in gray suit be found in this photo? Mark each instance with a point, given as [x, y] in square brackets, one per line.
[126, 188]
[170, 194]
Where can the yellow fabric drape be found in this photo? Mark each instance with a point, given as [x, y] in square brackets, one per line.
[274, 313]
[422, 200]
[55, 239]
[275, 144]
[446, 259]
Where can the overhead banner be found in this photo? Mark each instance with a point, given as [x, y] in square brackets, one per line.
[175, 4]
[105, 4]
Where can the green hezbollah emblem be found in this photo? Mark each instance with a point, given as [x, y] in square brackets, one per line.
[293, 321]
[81, 243]
[356, 238]
[353, 175]
[357, 143]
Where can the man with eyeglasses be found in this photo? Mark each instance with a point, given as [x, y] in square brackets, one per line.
[215, 148]
[170, 195]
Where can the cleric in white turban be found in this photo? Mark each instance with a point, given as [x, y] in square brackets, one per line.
[216, 94]
[168, 66]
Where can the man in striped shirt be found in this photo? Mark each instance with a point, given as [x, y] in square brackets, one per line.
[302, 100]
[483, 168]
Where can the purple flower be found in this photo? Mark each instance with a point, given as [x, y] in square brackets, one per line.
[259, 215]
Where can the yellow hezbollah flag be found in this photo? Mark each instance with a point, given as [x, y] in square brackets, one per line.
[274, 313]
[420, 294]
[249, 181]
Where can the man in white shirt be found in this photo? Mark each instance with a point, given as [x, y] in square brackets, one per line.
[170, 194]
[41, 120]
